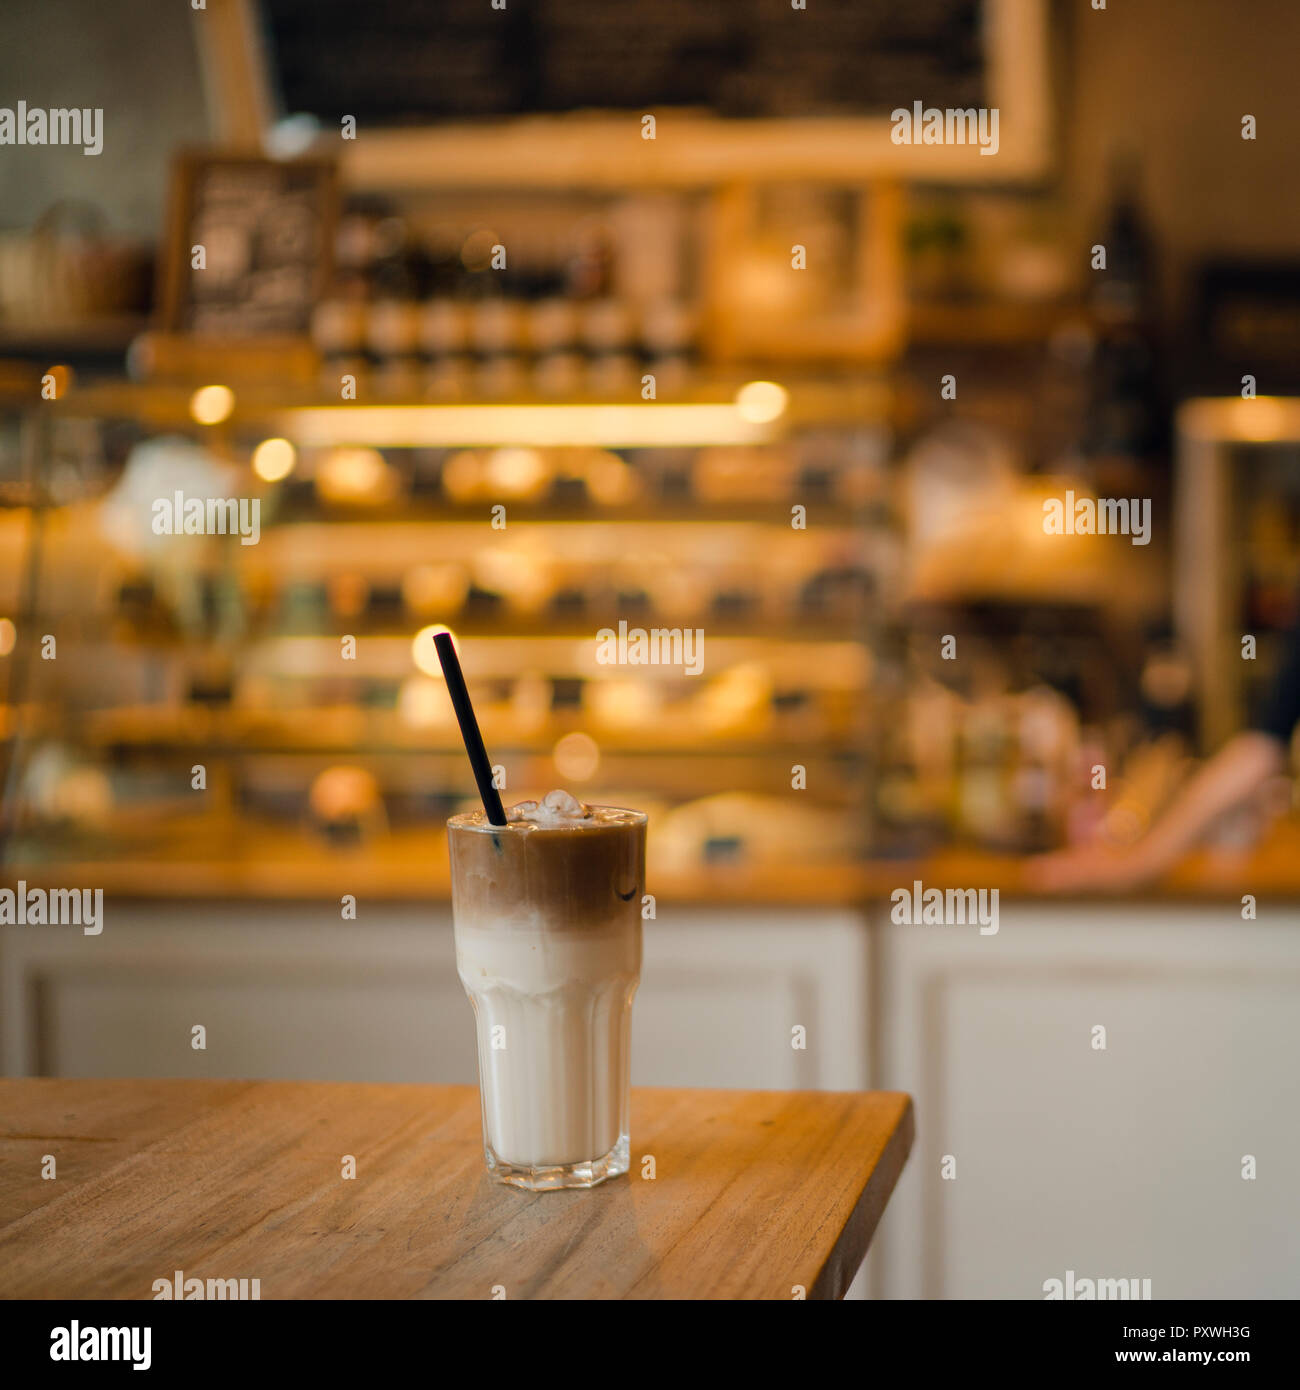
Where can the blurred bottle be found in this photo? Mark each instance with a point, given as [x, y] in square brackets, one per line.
[496, 329]
[667, 337]
[607, 336]
[986, 806]
[1125, 418]
[553, 333]
[444, 342]
[338, 331]
[393, 345]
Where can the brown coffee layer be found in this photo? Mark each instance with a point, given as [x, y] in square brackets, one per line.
[568, 877]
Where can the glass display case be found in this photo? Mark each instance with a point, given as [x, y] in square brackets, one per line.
[224, 603]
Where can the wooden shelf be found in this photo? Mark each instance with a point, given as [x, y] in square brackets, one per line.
[71, 339]
[814, 399]
[363, 733]
[988, 322]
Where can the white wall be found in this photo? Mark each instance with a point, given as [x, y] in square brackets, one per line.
[134, 58]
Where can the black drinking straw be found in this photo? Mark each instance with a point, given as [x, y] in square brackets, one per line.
[478, 758]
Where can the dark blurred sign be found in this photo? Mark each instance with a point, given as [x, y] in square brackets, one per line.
[1247, 322]
[397, 62]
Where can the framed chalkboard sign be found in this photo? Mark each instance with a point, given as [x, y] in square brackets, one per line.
[554, 93]
[248, 245]
[409, 62]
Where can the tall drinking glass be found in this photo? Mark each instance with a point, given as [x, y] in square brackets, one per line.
[548, 946]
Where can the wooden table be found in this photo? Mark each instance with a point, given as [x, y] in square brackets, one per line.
[754, 1193]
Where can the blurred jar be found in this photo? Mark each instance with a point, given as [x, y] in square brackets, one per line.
[986, 806]
[338, 332]
[393, 341]
[553, 333]
[667, 333]
[68, 268]
[607, 337]
[497, 337]
[444, 341]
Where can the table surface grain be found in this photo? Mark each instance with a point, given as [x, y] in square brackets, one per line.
[754, 1193]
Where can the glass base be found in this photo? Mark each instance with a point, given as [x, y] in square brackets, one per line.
[589, 1173]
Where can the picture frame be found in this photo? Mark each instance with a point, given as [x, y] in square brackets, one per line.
[248, 247]
[845, 304]
[693, 149]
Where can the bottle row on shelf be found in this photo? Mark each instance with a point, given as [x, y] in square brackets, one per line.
[1014, 771]
[513, 594]
[642, 482]
[70, 802]
[672, 712]
[505, 347]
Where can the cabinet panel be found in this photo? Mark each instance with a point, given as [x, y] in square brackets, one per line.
[282, 992]
[1117, 1163]
[408, 1027]
[286, 991]
[722, 991]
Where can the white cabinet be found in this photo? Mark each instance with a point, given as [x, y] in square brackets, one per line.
[1117, 1163]
[290, 991]
[282, 990]
[722, 991]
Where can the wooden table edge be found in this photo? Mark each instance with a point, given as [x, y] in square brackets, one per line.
[849, 1251]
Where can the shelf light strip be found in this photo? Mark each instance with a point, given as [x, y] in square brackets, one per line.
[609, 426]
[1232, 420]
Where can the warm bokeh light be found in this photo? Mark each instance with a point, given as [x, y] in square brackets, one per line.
[8, 636]
[210, 405]
[737, 700]
[626, 704]
[344, 793]
[609, 480]
[503, 474]
[519, 573]
[274, 459]
[1260, 420]
[61, 377]
[461, 474]
[435, 588]
[530, 702]
[422, 703]
[576, 757]
[515, 472]
[355, 475]
[425, 654]
[761, 402]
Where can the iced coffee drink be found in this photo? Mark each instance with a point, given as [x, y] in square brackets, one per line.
[548, 946]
